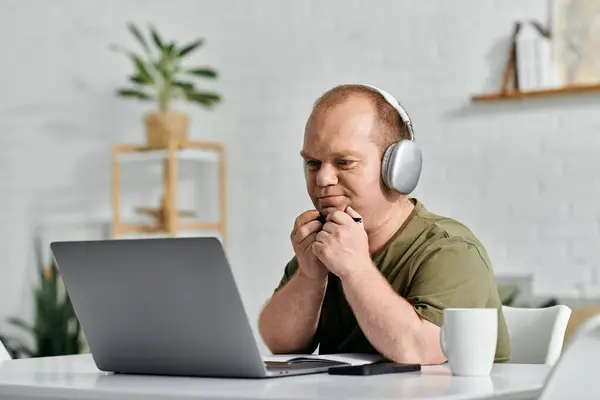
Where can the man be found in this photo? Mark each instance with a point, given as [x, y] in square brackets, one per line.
[378, 285]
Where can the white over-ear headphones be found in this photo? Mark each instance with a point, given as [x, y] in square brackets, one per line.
[403, 160]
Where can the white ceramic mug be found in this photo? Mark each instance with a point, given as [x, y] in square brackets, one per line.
[468, 338]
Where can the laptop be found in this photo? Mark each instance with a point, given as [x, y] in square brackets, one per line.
[165, 307]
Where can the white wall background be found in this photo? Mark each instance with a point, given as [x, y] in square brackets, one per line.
[522, 175]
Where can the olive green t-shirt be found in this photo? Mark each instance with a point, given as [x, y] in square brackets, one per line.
[434, 263]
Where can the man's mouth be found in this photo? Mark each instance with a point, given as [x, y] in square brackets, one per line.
[331, 201]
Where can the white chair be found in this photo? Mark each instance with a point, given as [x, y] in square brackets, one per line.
[536, 334]
[575, 375]
[4, 355]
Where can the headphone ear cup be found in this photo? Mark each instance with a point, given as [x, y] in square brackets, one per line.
[401, 166]
[385, 162]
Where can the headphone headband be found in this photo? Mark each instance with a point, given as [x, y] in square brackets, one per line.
[394, 103]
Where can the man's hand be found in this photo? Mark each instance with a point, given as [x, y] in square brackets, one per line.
[304, 234]
[343, 244]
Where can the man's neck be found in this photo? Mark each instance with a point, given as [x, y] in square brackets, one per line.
[389, 224]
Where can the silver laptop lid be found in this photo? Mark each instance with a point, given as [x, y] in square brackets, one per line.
[159, 306]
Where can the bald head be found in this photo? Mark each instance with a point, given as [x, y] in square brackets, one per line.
[388, 125]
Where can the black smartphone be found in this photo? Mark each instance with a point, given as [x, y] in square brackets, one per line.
[376, 368]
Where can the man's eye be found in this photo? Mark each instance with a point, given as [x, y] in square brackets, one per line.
[312, 164]
[344, 163]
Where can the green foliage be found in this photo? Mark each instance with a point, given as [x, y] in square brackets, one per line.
[159, 75]
[508, 294]
[56, 330]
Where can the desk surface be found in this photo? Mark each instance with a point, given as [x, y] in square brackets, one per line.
[78, 377]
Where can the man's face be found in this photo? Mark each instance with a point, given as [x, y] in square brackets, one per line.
[343, 161]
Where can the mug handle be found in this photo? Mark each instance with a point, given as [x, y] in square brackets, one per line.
[443, 342]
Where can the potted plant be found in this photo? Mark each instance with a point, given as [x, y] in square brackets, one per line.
[55, 330]
[159, 76]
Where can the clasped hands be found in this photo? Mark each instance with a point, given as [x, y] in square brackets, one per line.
[340, 245]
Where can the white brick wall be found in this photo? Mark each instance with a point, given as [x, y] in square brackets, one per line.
[522, 175]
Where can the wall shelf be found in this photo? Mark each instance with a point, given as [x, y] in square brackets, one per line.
[517, 95]
[509, 89]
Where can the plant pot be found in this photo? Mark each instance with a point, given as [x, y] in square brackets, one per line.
[161, 128]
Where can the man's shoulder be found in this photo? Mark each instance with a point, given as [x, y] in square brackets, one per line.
[443, 231]
[443, 225]
[428, 233]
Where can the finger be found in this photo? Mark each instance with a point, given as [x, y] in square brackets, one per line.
[305, 230]
[318, 249]
[323, 237]
[321, 251]
[304, 218]
[339, 217]
[352, 212]
[307, 241]
[330, 227]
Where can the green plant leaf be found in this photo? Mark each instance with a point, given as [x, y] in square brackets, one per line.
[56, 329]
[16, 347]
[140, 80]
[21, 324]
[37, 247]
[156, 38]
[161, 68]
[138, 35]
[508, 294]
[187, 86]
[204, 71]
[204, 98]
[170, 51]
[190, 47]
[141, 69]
[134, 93]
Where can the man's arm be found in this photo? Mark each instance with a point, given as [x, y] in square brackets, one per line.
[289, 320]
[389, 322]
[407, 330]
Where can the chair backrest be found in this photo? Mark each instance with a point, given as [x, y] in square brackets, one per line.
[536, 334]
[575, 375]
[4, 355]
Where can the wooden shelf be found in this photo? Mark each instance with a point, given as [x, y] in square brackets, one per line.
[162, 155]
[128, 228]
[516, 95]
[167, 216]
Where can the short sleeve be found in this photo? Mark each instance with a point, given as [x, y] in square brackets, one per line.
[289, 271]
[453, 275]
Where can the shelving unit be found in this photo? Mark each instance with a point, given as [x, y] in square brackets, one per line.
[167, 216]
[517, 95]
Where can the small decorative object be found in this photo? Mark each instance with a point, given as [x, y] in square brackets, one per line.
[535, 66]
[160, 76]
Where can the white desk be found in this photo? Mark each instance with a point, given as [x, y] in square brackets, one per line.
[77, 377]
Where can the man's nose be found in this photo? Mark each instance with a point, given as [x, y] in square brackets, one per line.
[327, 175]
